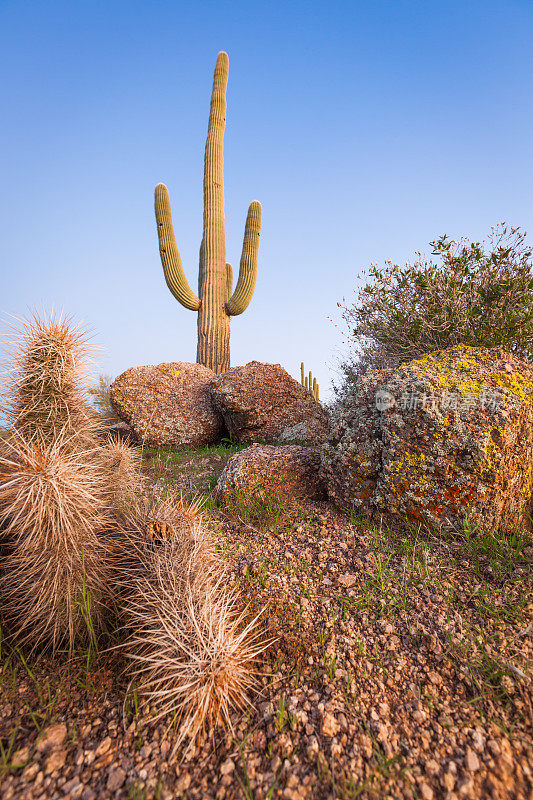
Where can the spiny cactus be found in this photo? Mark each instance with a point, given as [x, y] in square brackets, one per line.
[190, 648]
[45, 394]
[216, 304]
[61, 492]
[310, 383]
[55, 513]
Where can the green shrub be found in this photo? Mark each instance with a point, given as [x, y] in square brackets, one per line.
[100, 399]
[478, 294]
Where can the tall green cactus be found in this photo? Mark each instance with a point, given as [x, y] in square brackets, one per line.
[216, 303]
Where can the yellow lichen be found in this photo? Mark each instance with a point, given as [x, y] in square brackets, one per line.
[446, 370]
[415, 477]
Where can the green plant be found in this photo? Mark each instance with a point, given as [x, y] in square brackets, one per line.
[309, 383]
[216, 303]
[100, 398]
[281, 713]
[6, 751]
[477, 294]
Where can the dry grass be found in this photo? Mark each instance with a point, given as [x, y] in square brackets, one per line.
[191, 647]
[100, 399]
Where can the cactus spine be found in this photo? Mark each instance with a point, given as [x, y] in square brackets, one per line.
[309, 383]
[216, 303]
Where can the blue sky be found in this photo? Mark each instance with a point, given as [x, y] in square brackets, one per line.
[365, 128]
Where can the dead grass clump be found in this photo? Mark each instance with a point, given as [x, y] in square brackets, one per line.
[101, 399]
[192, 648]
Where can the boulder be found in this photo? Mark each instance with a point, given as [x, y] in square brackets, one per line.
[264, 471]
[262, 403]
[168, 404]
[442, 439]
[120, 432]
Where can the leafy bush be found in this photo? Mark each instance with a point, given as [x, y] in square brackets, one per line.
[478, 294]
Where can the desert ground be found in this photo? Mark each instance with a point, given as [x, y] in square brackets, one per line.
[399, 666]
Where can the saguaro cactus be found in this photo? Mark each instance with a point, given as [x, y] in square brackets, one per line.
[216, 304]
[309, 383]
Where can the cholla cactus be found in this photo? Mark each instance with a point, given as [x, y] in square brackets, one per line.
[216, 303]
[310, 383]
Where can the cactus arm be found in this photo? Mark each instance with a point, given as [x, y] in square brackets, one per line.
[168, 250]
[244, 290]
[229, 280]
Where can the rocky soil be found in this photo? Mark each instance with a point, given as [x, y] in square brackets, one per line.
[401, 669]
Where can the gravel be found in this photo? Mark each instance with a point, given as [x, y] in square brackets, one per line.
[401, 669]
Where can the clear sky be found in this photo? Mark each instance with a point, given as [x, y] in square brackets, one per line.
[366, 128]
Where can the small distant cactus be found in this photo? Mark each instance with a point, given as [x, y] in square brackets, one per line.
[310, 383]
[216, 303]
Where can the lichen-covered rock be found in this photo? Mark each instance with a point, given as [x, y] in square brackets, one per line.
[120, 432]
[168, 404]
[443, 439]
[265, 471]
[262, 403]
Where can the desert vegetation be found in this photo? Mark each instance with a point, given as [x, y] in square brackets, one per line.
[475, 293]
[86, 555]
[254, 595]
[218, 300]
[228, 620]
[400, 663]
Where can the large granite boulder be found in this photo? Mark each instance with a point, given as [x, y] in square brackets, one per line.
[168, 404]
[262, 471]
[443, 439]
[262, 403]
